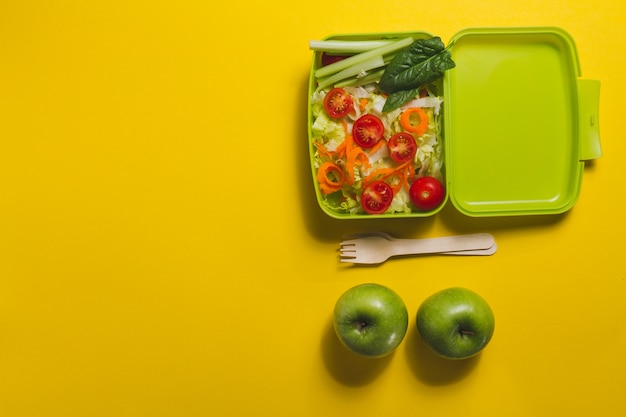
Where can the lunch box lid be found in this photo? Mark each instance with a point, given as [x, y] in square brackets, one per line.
[519, 122]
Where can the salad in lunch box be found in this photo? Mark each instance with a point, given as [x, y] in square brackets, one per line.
[376, 138]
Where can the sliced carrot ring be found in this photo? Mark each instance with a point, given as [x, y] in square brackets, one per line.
[330, 177]
[409, 122]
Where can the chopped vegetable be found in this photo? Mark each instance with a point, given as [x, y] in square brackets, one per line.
[371, 77]
[355, 158]
[402, 147]
[330, 177]
[347, 47]
[357, 70]
[376, 197]
[338, 103]
[408, 117]
[368, 130]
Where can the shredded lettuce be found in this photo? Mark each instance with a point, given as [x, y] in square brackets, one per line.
[330, 133]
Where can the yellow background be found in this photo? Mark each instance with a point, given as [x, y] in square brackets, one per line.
[162, 252]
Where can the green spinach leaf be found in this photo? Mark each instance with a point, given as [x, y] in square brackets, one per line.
[422, 62]
[397, 99]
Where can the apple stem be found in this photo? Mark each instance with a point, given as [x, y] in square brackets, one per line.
[362, 325]
[465, 332]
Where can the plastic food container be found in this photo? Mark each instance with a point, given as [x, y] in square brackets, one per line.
[519, 122]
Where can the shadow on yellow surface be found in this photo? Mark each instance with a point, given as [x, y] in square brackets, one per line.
[346, 367]
[460, 223]
[431, 369]
[353, 370]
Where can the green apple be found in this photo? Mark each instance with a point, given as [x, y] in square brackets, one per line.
[455, 323]
[370, 320]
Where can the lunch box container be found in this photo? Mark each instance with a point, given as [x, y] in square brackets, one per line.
[519, 122]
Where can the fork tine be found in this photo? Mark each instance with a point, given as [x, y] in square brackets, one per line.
[347, 250]
[347, 258]
[356, 250]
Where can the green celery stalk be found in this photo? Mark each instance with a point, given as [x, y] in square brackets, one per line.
[354, 70]
[357, 81]
[346, 47]
[363, 56]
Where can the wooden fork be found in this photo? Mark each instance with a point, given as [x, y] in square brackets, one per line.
[377, 247]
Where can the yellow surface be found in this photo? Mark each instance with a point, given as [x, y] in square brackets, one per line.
[162, 253]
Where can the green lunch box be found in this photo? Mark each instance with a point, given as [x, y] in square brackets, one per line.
[519, 122]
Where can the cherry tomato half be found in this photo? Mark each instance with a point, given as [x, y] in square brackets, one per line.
[427, 193]
[402, 147]
[376, 197]
[338, 103]
[367, 130]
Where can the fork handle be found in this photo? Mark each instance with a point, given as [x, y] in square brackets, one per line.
[467, 242]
